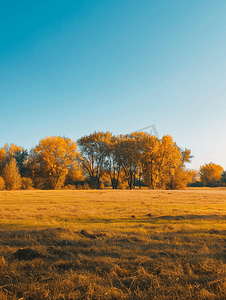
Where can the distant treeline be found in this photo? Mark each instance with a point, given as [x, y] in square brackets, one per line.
[102, 160]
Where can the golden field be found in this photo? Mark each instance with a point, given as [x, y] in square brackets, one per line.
[113, 244]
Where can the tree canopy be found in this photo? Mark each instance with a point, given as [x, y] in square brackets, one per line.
[136, 159]
[210, 174]
[53, 158]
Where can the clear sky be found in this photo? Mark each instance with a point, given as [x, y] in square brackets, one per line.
[74, 67]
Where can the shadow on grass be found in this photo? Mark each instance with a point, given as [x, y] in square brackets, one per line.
[193, 217]
[60, 263]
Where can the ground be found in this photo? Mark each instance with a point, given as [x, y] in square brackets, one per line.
[113, 244]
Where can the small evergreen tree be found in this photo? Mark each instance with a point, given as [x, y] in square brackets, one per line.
[12, 176]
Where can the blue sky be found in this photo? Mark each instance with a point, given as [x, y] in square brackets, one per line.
[73, 67]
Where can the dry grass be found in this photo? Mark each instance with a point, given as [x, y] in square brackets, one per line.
[113, 244]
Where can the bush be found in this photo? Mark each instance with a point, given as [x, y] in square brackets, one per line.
[102, 186]
[79, 187]
[69, 187]
[86, 186]
[27, 183]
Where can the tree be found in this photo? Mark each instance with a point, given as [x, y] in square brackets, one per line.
[179, 179]
[193, 177]
[210, 174]
[17, 152]
[26, 183]
[3, 158]
[113, 162]
[168, 160]
[129, 157]
[35, 172]
[150, 158]
[223, 177]
[74, 176]
[181, 176]
[186, 156]
[52, 158]
[2, 183]
[163, 163]
[12, 176]
[93, 149]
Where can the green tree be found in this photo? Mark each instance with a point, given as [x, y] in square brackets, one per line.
[12, 176]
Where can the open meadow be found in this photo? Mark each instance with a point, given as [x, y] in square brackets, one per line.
[113, 244]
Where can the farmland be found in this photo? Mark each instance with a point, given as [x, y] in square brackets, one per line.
[113, 244]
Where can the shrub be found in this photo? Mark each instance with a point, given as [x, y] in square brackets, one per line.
[27, 183]
[102, 186]
[79, 187]
[69, 187]
[86, 186]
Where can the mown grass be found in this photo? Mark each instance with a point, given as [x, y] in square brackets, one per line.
[113, 244]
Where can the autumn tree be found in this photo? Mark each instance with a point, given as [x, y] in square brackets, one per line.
[150, 157]
[129, 157]
[12, 176]
[3, 158]
[13, 151]
[179, 180]
[52, 158]
[35, 171]
[223, 177]
[140, 170]
[168, 160]
[26, 183]
[93, 149]
[2, 183]
[181, 176]
[113, 162]
[210, 174]
[75, 175]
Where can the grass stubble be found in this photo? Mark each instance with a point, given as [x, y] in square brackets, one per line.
[113, 244]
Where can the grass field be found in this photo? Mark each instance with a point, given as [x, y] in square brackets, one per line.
[113, 244]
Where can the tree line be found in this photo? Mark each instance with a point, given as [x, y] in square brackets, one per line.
[95, 161]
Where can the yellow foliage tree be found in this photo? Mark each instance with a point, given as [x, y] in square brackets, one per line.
[150, 157]
[74, 176]
[210, 174]
[26, 183]
[164, 163]
[2, 183]
[54, 156]
[113, 162]
[13, 151]
[94, 149]
[180, 179]
[130, 158]
[12, 176]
